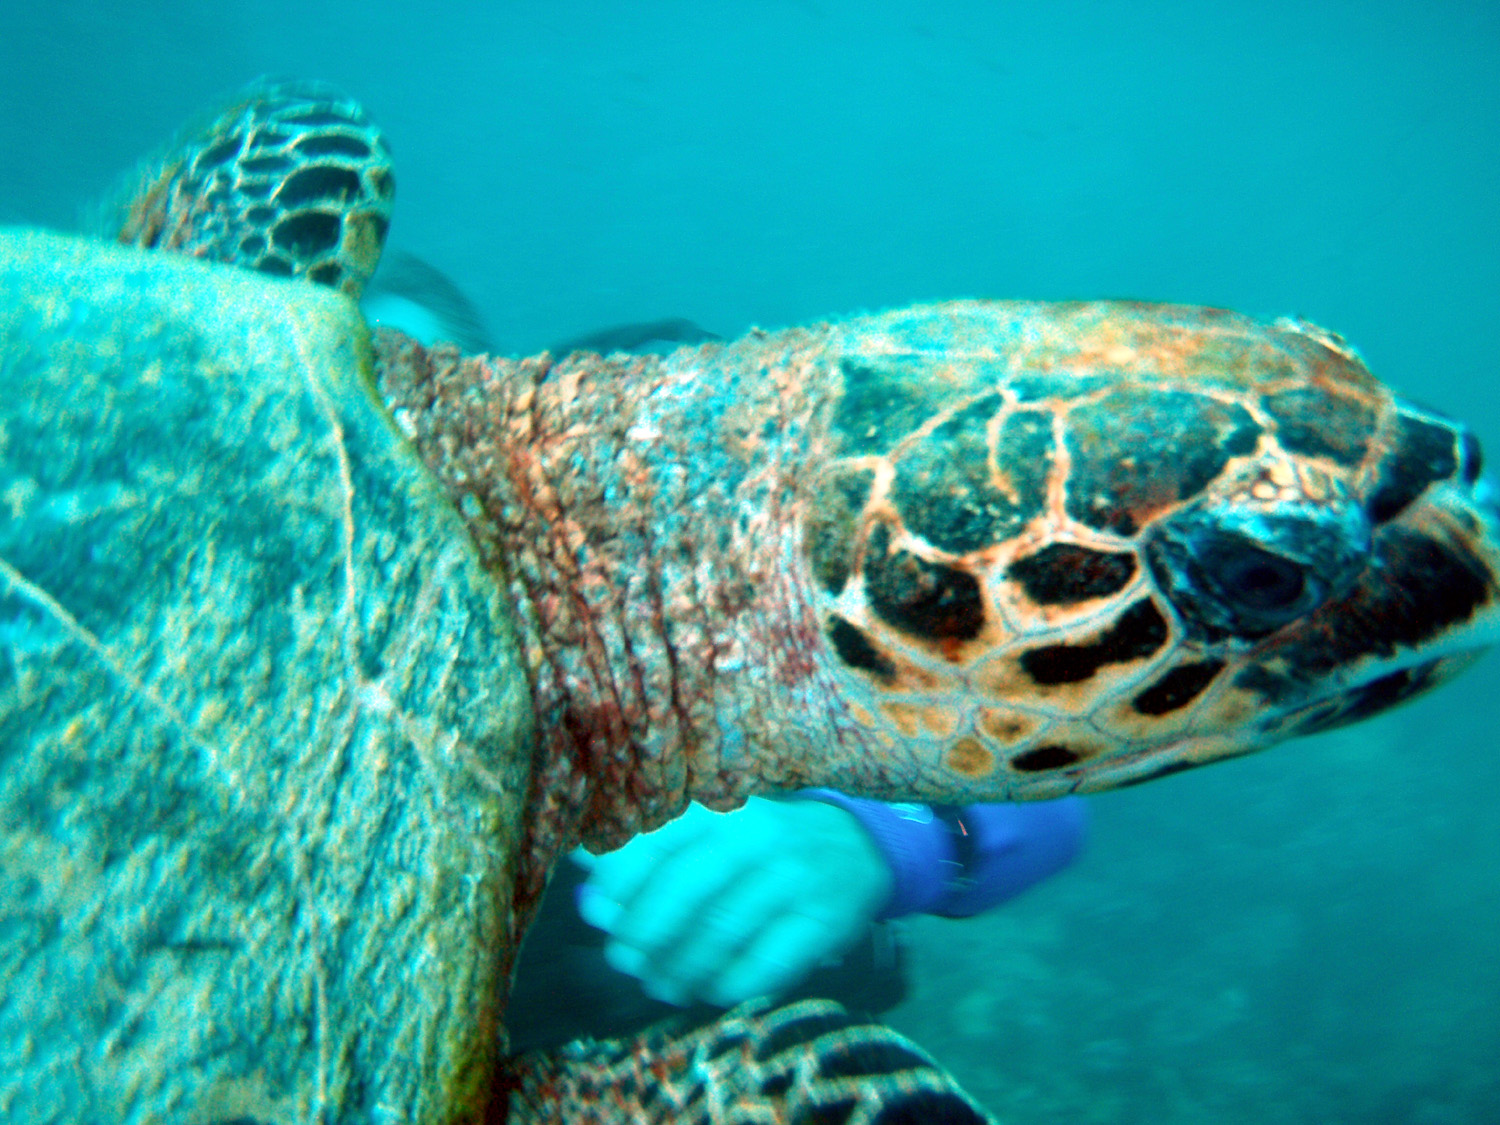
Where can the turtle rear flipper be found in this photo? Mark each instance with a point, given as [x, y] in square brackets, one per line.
[805, 1062]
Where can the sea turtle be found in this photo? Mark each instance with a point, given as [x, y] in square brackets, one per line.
[974, 550]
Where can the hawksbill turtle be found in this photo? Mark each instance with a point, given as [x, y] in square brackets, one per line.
[977, 550]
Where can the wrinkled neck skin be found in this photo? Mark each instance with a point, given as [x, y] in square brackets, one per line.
[644, 513]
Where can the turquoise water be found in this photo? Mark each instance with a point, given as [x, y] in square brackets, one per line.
[1304, 936]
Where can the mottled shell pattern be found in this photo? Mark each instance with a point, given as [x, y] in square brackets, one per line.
[1076, 546]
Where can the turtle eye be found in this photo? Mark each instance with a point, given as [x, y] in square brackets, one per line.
[1258, 580]
[1258, 591]
[1226, 584]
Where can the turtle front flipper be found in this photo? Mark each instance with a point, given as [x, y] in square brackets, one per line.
[290, 179]
[804, 1062]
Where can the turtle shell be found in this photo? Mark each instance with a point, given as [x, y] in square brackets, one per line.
[264, 734]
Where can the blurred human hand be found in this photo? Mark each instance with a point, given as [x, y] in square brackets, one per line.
[725, 906]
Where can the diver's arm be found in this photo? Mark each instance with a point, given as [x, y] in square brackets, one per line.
[960, 861]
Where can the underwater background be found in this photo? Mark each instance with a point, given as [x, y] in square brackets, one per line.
[1307, 935]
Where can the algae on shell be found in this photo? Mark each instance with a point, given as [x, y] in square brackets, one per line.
[263, 738]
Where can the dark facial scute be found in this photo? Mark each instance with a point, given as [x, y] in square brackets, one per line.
[1045, 758]
[1314, 423]
[833, 523]
[1378, 695]
[1066, 574]
[1423, 452]
[307, 233]
[1177, 688]
[1139, 631]
[944, 488]
[924, 599]
[1136, 451]
[883, 402]
[856, 650]
[1420, 589]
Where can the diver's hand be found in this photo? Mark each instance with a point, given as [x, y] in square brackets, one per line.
[725, 906]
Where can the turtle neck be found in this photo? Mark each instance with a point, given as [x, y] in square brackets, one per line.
[643, 513]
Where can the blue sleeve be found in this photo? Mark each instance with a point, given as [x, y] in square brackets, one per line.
[1012, 847]
[968, 859]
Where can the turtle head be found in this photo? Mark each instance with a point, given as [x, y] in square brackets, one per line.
[1065, 548]
[1402, 615]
